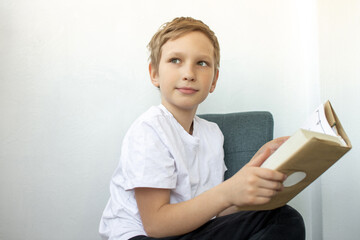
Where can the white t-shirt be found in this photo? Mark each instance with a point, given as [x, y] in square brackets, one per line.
[158, 153]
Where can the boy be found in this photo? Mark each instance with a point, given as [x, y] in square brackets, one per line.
[169, 182]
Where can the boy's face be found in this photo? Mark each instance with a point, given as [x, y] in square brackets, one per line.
[186, 73]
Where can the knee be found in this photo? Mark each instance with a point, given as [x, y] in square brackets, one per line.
[293, 219]
[291, 213]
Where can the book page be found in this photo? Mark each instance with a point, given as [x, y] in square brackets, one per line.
[317, 122]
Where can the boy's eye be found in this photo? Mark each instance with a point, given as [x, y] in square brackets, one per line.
[203, 63]
[175, 60]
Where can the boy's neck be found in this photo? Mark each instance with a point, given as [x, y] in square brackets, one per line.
[183, 116]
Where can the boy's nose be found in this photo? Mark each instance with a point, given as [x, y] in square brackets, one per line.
[189, 78]
[189, 74]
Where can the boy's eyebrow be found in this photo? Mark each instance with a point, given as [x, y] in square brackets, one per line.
[175, 53]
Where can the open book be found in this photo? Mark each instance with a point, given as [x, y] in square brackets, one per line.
[307, 154]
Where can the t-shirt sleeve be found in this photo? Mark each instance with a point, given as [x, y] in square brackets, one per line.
[146, 160]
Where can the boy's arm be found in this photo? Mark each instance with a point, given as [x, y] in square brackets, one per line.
[250, 186]
[162, 219]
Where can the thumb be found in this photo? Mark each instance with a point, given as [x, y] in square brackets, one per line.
[257, 160]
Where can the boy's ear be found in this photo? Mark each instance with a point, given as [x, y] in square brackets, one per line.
[153, 76]
[213, 85]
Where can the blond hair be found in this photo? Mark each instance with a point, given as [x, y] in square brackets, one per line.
[175, 29]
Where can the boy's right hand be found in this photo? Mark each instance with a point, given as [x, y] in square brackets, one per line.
[253, 185]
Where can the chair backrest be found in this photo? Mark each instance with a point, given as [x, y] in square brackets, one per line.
[244, 133]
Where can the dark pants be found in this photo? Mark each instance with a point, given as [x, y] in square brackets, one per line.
[281, 223]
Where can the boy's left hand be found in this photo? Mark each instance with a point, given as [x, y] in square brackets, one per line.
[272, 145]
[253, 185]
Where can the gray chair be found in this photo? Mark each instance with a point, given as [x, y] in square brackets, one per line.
[244, 133]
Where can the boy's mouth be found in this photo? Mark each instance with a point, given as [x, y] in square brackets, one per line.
[187, 90]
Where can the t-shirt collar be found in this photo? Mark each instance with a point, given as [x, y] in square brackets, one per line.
[190, 138]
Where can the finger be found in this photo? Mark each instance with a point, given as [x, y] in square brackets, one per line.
[270, 175]
[281, 140]
[278, 142]
[258, 200]
[257, 160]
[266, 193]
[271, 185]
[273, 145]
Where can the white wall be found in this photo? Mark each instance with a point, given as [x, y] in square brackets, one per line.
[74, 76]
[340, 80]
